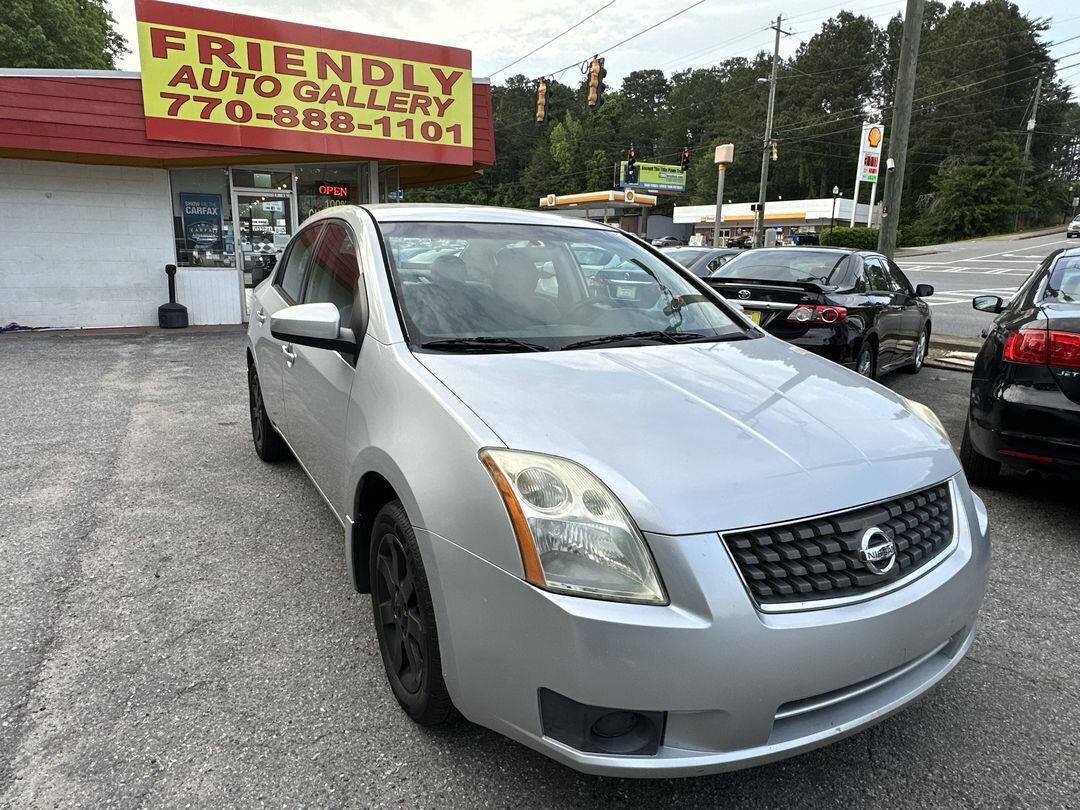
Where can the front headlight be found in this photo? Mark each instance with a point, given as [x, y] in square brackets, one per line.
[927, 415]
[574, 535]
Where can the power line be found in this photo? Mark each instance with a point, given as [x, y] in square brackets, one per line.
[541, 47]
[619, 44]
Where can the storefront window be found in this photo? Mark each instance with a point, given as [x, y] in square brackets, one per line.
[202, 217]
[319, 187]
[389, 184]
[275, 181]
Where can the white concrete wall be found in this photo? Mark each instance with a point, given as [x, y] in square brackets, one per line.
[86, 246]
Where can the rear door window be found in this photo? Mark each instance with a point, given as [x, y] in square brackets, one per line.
[877, 279]
[291, 280]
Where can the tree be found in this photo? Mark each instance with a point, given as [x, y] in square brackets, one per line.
[976, 196]
[69, 34]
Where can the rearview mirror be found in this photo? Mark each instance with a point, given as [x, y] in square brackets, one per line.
[924, 290]
[987, 303]
[316, 325]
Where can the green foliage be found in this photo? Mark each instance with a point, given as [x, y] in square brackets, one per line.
[68, 34]
[976, 196]
[856, 238]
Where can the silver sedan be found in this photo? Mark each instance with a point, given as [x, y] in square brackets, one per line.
[605, 514]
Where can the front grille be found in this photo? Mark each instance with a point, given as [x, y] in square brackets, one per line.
[818, 558]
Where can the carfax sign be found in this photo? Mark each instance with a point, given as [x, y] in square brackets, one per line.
[201, 217]
[655, 177]
[222, 78]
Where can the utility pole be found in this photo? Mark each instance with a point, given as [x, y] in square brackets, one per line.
[766, 146]
[901, 124]
[1027, 151]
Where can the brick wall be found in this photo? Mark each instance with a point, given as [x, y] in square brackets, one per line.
[83, 245]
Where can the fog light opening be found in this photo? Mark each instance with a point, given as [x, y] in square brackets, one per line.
[600, 730]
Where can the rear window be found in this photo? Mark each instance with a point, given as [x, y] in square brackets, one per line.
[800, 265]
[684, 257]
[1064, 284]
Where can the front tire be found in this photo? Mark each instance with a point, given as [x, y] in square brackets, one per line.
[921, 349]
[405, 620]
[269, 445]
[980, 470]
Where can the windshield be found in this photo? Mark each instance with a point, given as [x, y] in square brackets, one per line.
[790, 265]
[510, 287]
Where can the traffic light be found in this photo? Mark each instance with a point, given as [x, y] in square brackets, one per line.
[597, 74]
[774, 153]
[541, 101]
[631, 165]
[684, 164]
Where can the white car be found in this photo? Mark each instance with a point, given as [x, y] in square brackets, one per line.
[1074, 227]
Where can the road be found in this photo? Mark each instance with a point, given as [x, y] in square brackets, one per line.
[962, 270]
[178, 628]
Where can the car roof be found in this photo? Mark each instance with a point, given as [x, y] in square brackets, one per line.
[803, 250]
[439, 212]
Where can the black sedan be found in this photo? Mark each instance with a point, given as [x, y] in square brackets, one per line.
[701, 261]
[854, 307]
[744, 240]
[1025, 388]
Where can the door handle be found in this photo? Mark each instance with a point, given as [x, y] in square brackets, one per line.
[290, 355]
[261, 315]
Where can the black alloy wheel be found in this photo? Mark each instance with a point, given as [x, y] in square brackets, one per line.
[866, 362]
[405, 620]
[268, 442]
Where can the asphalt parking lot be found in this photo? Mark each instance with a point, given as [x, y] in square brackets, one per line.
[178, 627]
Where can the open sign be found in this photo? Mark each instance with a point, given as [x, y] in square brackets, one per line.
[330, 190]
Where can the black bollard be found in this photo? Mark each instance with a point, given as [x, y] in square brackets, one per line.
[172, 315]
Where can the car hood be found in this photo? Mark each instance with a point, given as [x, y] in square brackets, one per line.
[706, 436]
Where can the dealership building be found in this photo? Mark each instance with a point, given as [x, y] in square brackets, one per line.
[106, 177]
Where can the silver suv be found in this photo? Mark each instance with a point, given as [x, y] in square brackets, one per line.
[613, 520]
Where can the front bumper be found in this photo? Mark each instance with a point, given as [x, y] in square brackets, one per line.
[738, 687]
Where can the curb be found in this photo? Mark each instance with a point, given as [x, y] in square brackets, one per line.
[947, 343]
[122, 331]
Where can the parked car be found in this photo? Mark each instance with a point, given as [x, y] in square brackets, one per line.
[1025, 387]
[1074, 227]
[701, 261]
[805, 238]
[641, 537]
[854, 307]
[739, 241]
[667, 241]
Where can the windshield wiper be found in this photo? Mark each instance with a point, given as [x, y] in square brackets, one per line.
[649, 334]
[483, 344]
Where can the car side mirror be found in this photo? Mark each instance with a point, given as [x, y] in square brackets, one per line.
[987, 303]
[924, 290]
[316, 325]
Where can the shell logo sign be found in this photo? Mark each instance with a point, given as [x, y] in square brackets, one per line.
[223, 78]
[870, 152]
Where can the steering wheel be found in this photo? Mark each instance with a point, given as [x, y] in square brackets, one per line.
[592, 304]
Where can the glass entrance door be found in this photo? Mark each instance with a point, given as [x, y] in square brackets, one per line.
[264, 224]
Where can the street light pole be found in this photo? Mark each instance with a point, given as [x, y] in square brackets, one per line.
[835, 194]
[724, 155]
[766, 147]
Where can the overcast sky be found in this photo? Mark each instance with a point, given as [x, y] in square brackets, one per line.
[499, 31]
